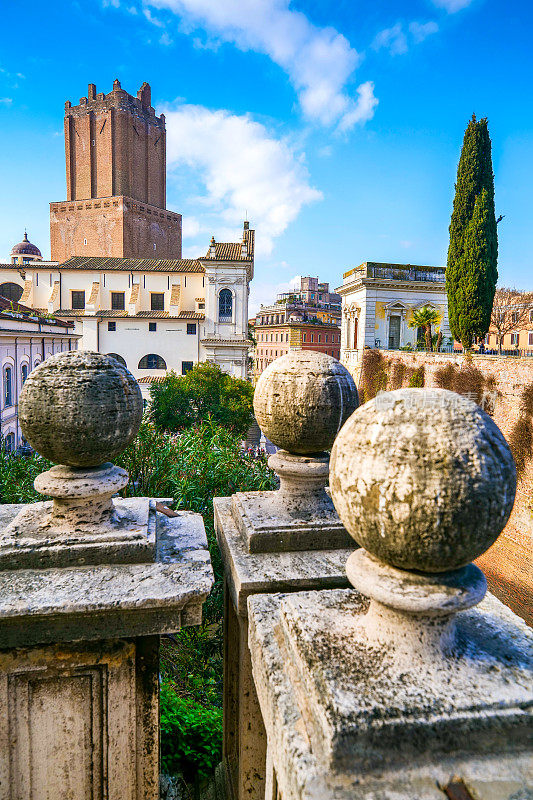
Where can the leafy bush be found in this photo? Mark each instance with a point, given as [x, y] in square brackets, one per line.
[180, 402]
[17, 474]
[191, 735]
[417, 379]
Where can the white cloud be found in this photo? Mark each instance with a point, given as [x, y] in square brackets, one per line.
[265, 293]
[191, 227]
[451, 6]
[165, 39]
[394, 39]
[6, 101]
[320, 62]
[241, 167]
[421, 30]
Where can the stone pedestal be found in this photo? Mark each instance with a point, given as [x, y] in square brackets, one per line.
[411, 685]
[343, 723]
[79, 665]
[287, 540]
[247, 574]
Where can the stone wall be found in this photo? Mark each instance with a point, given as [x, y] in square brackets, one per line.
[504, 387]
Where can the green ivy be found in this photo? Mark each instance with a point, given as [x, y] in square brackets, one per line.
[191, 735]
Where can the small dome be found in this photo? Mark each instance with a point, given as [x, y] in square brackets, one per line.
[26, 248]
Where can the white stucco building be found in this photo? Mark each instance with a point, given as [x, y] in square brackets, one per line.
[378, 301]
[26, 339]
[156, 315]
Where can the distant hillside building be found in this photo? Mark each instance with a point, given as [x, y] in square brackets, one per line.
[304, 319]
[378, 301]
[115, 155]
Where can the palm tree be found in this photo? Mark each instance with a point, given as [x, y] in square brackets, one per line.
[424, 318]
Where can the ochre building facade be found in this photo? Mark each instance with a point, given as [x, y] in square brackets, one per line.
[115, 157]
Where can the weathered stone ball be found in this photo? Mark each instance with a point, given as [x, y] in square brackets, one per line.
[80, 408]
[303, 399]
[423, 479]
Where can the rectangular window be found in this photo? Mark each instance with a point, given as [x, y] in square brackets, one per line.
[531, 316]
[111, 326]
[152, 326]
[78, 299]
[186, 366]
[117, 301]
[305, 337]
[530, 338]
[191, 327]
[312, 337]
[514, 338]
[157, 301]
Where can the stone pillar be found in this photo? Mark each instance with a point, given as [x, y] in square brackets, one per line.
[410, 685]
[88, 582]
[279, 541]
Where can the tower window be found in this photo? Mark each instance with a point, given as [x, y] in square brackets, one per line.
[157, 301]
[225, 306]
[78, 299]
[85, 241]
[117, 301]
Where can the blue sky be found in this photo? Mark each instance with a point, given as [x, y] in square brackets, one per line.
[336, 126]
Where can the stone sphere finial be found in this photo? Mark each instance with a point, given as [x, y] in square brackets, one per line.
[302, 400]
[80, 408]
[422, 479]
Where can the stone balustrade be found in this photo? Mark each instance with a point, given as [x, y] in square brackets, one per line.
[413, 683]
[88, 582]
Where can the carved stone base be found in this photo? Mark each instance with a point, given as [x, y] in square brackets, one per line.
[299, 516]
[32, 541]
[342, 723]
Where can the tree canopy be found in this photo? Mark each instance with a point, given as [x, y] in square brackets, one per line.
[471, 273]
[181, 401]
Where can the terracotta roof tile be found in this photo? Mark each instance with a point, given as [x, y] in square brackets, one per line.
[133, 264]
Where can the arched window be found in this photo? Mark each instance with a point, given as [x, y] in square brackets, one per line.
[118, 358]
[36, 362]
[152, 361]
[9, 442]
[11, 291]
[24, 373]
[225, 306]
[8, 386]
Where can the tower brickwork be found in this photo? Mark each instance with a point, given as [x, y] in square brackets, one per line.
[115, 155]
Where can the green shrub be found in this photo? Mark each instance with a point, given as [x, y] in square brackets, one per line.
[191, 735]
[182, 401]
[17, 474]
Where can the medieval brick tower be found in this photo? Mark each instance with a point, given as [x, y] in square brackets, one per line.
[115, 152]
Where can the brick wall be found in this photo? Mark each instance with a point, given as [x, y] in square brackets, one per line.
[501, 383]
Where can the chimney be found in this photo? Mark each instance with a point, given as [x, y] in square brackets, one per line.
[212, 248]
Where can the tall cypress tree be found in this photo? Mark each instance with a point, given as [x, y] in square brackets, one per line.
[472, 273]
